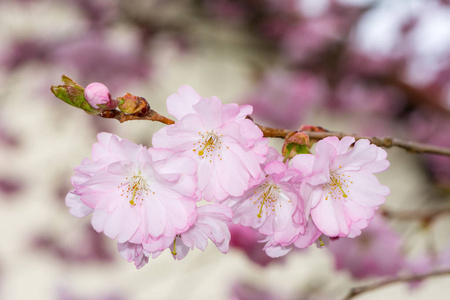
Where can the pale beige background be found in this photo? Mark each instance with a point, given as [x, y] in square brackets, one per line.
[56, 137]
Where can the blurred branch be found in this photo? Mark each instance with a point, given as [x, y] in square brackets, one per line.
[414, 94]
[386, 142]
[416, 215]
[362, 289]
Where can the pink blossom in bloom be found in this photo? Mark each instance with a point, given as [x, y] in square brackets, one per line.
[137, 195]
[98, 96]
[227, 147]
[274, 208]
[341, 191]
[211, 224]
[366, 255]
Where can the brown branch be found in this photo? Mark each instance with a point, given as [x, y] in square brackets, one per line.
[362, 289]
[151, 115]
[386, 142]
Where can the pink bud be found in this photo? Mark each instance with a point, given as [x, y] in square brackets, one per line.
[98, 96]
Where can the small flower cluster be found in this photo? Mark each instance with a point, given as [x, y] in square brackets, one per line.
[148, 198]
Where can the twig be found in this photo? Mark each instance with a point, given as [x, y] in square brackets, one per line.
[151, 115]
[362, 289]
[386, 142]
[414, 94]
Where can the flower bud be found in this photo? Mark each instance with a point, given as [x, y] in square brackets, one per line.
[295, 143]
[131, 104]
[72, 93]
[98, 96]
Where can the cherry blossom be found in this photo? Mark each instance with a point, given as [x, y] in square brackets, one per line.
[341, 189]
[227, 147]
[138, 195]
[275, 208]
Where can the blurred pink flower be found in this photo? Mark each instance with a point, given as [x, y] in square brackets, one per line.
[310, 37]
[249, 241]
[341, 190]
[366, 256]
[428, 262]
[241, 291]
[431, 128]
[283, 98]
[354, 95]
[136, 194]
[227, 147]
[87, 249]
[96, 59]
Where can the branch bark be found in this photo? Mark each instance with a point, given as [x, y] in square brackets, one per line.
[151, 115]
[386, 142]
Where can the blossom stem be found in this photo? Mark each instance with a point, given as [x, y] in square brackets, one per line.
[151, 115]
[386, 142]
[362, 289]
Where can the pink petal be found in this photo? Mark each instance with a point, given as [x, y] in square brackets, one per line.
[329, 217]
[181, 104]
[380, 164]
[77, 207]
[311, 234]
[361, 154]
[210, 111]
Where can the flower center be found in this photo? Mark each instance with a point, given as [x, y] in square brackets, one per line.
[267, 198]
[208, 143]
[338, 186]
[135, 189]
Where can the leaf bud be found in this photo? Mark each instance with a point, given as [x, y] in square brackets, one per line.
[131, 104]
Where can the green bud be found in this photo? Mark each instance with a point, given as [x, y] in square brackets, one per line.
[72, 93]
[295, 143]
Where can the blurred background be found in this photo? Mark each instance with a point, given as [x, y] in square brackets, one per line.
[359, 66]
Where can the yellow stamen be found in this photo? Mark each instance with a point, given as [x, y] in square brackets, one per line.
[174, 251]
[209, 142]
[265, 196]
[321, 242]
[338, 183]
[135, 188]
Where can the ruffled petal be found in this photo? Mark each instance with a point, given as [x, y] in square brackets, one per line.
[181, 103]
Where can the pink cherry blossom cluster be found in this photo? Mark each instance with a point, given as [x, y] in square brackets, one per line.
[148, 198]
